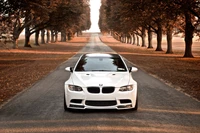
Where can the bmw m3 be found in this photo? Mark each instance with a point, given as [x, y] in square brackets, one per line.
[100, 81]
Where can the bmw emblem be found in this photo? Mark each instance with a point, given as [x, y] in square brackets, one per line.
[100, 85]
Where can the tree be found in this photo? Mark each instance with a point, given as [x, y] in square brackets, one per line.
[190, 9]
[36, 15]
[24, 13]
[38, 20]
[102, 17]
[128, 17]
[70, 18]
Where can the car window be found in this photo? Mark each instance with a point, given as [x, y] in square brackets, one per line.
[100, 64]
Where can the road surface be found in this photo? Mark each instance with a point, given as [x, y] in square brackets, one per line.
[40, 108]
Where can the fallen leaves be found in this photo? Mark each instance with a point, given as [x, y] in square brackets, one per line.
[21, 68]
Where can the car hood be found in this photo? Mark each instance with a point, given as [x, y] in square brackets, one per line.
[85, 79]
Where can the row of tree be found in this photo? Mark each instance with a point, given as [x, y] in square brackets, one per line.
[33, 16]
[131, 19]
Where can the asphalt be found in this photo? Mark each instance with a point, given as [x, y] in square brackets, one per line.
[40, 109]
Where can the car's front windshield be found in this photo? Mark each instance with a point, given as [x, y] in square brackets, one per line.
[111, 63]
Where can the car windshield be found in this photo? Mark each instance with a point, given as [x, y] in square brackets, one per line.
[110, 63]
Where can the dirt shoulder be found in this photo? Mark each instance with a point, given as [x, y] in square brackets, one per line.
[178, 72]
[21, 68]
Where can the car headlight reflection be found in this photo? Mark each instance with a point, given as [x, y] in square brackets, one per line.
[126, 88]
[75, 88]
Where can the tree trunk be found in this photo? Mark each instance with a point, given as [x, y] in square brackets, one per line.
[37, 33]
[15, 40]
[63, 36]
[48, 36]
[69, 36]
[159, 37]
[126, 37]
[56, 36]
[133, 39]
[17, 30]
[27, 37]
[189, 31]
[150, 38]
[121, 38]
[15, 43]
[114, 36]
[169, 40]
[42, 36]
[129, 40]
[143, 37]
[138, 40]
[79, 33]
[111, 32]
[118, 37]
[52, 36]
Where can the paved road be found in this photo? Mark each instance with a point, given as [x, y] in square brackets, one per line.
[40, 108]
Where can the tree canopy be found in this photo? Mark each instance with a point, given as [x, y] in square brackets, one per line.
[159, 16]
[35, 15]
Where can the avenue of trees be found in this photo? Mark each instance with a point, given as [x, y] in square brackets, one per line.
[45, 17]
[128, 20]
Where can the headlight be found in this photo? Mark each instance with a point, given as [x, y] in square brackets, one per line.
[74, 88]
[126, 88]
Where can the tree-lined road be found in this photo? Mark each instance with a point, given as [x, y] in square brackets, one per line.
[40, 108]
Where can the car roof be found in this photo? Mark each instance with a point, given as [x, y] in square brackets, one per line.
[101, 55]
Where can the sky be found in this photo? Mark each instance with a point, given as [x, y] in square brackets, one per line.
[94, 8]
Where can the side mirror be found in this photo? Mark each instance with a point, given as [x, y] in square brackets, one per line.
[69, 69]
[133, 69]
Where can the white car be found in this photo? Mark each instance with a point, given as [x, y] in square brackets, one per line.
[100, 81]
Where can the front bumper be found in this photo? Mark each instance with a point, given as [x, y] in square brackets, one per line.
[116, 100]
